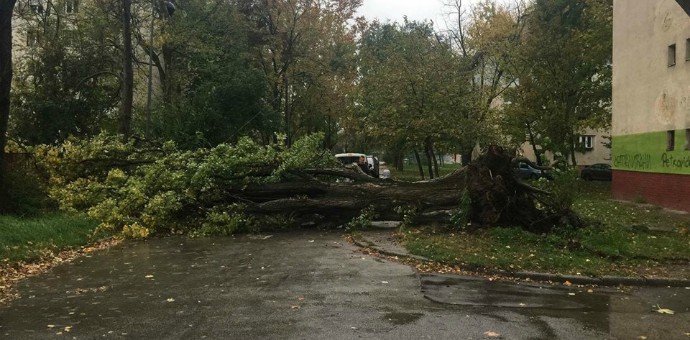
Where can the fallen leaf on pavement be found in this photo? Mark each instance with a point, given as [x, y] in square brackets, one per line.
[567, 283]
[295, 307]
[590, 291]
[492, 334]
[664, 310]
[148, 276]
[170, 300]
[642, 337]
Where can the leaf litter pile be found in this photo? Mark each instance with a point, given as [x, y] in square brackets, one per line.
[11, 274]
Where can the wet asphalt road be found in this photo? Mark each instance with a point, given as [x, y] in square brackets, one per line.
[312, 285]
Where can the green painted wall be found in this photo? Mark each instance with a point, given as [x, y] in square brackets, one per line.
[647, 153]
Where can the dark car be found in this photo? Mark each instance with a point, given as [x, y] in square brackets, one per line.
[599, 171]
[526, 171]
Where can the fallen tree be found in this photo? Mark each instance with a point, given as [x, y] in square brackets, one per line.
[229, 188]
[497, 196]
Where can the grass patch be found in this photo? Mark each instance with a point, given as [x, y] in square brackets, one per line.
[35, 238]
[411, 171]
[623, 239]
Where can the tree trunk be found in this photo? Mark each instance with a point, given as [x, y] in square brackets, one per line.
[419, 164]
[128, 70]
[433, 157]
[572, 151]
[6, 9]
[429, 157]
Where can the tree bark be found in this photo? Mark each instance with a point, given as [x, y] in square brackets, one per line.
[128, 71]
[6, 9]
[419, 164]
[429, 157]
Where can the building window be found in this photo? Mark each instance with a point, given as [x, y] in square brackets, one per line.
[687, 49]
[36, 6]
[32, 38]
[587, 142]
[672, 55]
[71, 6]
[687, 139]
[670, 140]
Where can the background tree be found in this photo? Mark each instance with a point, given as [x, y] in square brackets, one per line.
[414, 88]
[68, 75]
[567, 86]
[301, 41]
[127, 70]
[211, 90]
[490, 35]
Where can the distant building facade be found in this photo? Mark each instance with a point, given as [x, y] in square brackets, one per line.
[594, 145]
[651, 102]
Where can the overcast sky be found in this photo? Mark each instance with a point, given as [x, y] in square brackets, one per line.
[394, 10]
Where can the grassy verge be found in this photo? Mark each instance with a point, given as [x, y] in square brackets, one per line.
[625, 241]
[36, 238]
[411, 171]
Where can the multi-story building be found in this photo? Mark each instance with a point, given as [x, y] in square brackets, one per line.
[594, 147]
[651, 102]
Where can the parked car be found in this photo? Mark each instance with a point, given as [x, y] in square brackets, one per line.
[599, 171]
[349, 158]
[353, 157]
[526, 171]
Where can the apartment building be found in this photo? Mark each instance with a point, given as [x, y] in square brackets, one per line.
[651, 102]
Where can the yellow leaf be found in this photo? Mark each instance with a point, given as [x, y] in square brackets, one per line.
[492, 334]
[665, 311]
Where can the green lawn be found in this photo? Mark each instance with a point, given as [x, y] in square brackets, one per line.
[622, 239]
[411, 171]
[31, 239]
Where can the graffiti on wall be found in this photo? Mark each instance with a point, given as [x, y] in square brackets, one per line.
[675, 162]
[639, 161]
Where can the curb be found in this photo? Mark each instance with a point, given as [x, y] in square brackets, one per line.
[548, 277]
[387, 252]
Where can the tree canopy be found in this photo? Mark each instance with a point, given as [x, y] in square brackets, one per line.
[275, 71]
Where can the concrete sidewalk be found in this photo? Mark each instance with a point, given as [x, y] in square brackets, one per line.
[383, 241]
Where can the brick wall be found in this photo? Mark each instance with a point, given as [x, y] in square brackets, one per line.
[666, 190]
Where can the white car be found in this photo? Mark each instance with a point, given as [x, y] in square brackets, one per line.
[353, 157]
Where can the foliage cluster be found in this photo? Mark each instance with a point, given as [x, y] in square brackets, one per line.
[144, 189]
[226, 69]
[363, 220]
